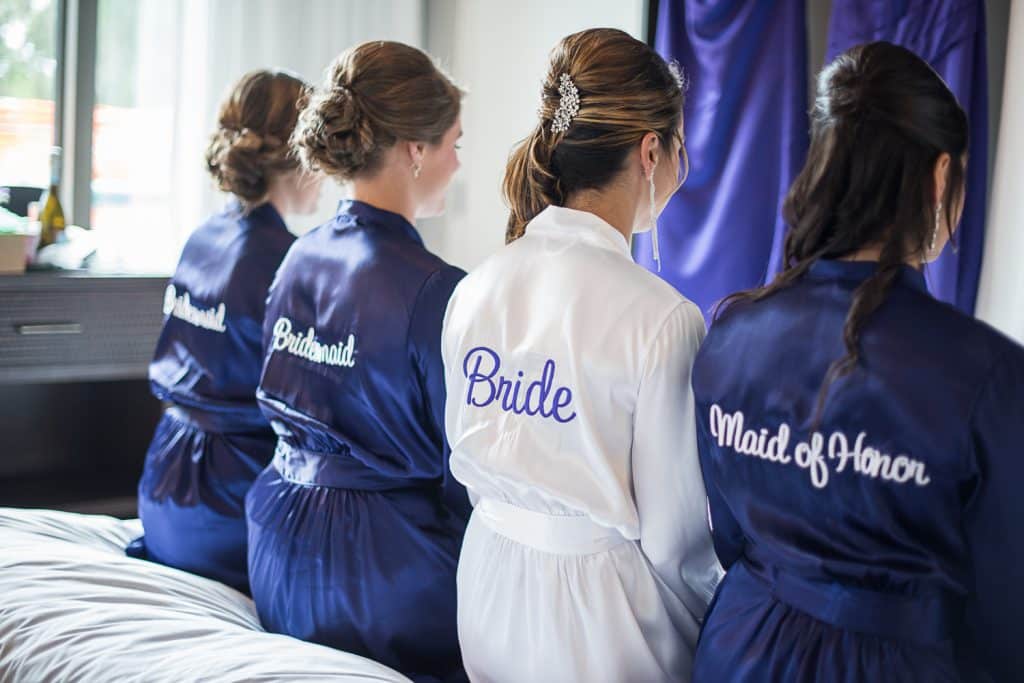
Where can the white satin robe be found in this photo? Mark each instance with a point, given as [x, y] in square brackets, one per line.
[571, 421]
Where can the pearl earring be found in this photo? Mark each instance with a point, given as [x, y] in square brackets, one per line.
[416, 170]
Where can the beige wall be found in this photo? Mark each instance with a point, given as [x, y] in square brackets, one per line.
[1001, 293]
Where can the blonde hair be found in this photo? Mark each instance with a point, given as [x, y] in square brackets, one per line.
[626, 90]
[254, 125]
[374, 95]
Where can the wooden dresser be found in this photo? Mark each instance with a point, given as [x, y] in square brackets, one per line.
[76, 414]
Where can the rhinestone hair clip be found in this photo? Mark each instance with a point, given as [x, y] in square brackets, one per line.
[682, 78]
[568, 105]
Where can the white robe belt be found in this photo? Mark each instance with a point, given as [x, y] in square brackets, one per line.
[555, 534]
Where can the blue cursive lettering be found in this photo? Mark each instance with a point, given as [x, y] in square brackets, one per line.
[481, 367]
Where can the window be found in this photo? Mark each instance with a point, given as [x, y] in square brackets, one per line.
[28, 90]
[139, 91]
[133, 123]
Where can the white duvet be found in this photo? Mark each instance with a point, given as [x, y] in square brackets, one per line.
[74, 608]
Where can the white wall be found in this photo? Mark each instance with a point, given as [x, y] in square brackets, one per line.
[304, 37]
[1001, 291]
[498, 51]
[189, 54]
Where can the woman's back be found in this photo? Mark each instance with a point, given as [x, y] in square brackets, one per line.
[545, 347]
[209, 352]
[370, 292]
[569, 418]
[871, 522]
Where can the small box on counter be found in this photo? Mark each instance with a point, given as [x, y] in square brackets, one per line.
[15, 250]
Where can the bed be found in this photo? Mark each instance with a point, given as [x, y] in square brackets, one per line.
[74, 608]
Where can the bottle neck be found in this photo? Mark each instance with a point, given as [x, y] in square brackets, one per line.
[55, 172]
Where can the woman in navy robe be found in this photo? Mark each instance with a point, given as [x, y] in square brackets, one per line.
[212, 440]
[861, 440]
[355, 527]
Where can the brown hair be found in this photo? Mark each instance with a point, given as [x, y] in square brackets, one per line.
[374, 95]
[250, 145]
[881, 119]
[626, 90]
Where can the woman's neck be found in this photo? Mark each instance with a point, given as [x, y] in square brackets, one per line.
[864, 254]
[383, 193]
[608, 205]
[874, 253]
[279, 195]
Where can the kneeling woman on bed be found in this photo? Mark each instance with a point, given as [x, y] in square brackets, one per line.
[588, 556]
[213, 441]
[861, 439]
[355, 528]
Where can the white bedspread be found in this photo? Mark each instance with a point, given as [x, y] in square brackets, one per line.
[74, 608]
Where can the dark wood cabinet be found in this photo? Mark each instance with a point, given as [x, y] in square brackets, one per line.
[76, 414]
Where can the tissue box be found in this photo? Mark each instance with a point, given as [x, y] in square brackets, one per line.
[15, 249]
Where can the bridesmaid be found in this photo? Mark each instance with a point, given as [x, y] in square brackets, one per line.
[212, 440]
[355, 528]
[861, 441]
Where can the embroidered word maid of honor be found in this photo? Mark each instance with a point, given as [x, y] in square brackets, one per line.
[306, 346]
[812, 456]
[181, 307]
[539, 397]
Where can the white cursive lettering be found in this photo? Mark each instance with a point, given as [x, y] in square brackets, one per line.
[305, 345]
[181, 307]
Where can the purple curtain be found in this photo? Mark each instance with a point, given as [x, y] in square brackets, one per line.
[949, 35]
[746, 134]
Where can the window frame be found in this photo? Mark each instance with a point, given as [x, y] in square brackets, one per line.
[73, 103]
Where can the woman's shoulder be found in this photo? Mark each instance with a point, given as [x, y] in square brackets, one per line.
[968, 335]
[967, 343]
[659, 292]
[600, 270]
[212, 242]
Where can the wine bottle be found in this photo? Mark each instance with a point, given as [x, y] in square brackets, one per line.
[51, 218]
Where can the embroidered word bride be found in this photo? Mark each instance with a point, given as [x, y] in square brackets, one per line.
[862, 459]
[305, 345]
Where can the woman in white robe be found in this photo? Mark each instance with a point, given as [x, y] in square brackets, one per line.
[569, 412]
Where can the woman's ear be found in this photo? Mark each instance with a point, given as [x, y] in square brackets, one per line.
[650, 150]
[416, 150]
[941, 176]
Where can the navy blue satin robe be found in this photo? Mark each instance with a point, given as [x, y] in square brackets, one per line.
[888, 548]
[212, 440]
[355, 528]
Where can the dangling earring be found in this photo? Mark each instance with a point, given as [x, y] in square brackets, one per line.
[416, 170]
[654, 222]
[935, 232]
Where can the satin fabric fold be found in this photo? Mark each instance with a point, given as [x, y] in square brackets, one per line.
[746, 126]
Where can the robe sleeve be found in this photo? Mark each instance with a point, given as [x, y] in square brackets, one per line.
[670, 497]
[993, 513]
[725, 530]
[425, 348]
